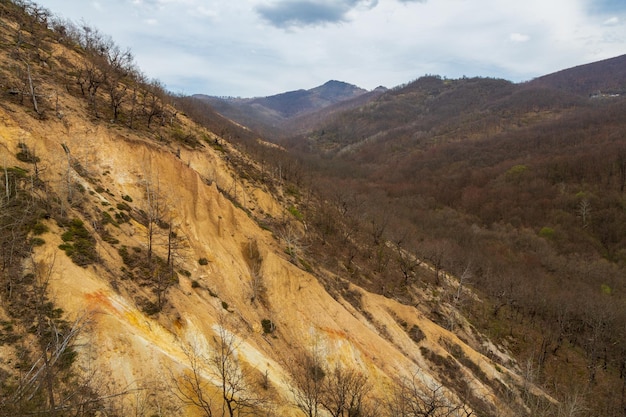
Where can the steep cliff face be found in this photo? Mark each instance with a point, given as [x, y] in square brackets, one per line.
[182, 275]
[221, 292]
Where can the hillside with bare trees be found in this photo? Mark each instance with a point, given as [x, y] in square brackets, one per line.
[157, 259]
[516, 188]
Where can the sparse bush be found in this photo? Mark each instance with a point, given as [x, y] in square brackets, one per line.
[39, 228]
[123, 207]
[78, 244]
[546, 232]
[150, 308]
[25, 154]
[37, 241]
[295, 212]
[416, 334]
[122, 217]
[268, 326]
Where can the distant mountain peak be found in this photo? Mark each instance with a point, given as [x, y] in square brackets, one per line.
[283, 106]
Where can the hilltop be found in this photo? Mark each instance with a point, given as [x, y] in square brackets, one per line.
[273, 114]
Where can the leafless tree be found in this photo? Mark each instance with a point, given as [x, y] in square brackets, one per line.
[293, 241]
[191, 387]
[584, 210]
[156, 209]
[48, 385]
[255, 261]
[119, 71]
[410, 398]
[216, 368]
[407, 262]
[345, 392]
[153, 99]
[237, 395]
[177, 244]
[308, 382]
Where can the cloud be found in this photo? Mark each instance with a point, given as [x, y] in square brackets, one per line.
[613, 21]
[239, 47]
[206, 12]
[287, 13]
[518, 37]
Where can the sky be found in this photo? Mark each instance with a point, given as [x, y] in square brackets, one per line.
[257, 48]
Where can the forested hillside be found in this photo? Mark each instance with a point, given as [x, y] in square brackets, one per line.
[516, 188]
[157, 259]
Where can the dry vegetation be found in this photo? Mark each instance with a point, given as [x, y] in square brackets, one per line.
[152, 265]
[518, 188]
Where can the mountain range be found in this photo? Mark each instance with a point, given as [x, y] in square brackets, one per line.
[273, 114]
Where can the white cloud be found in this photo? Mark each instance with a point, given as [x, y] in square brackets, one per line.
[206, 12]
[518, 37]
[365, 42]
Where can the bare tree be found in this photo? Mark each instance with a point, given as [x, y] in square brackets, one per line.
[31, 88]
[407, 262]
[119, 70]
[48, 385]
[6, 178]
[410, 399]
[220, 371]
[156, 210]
[153, 97]
[237, 395]
[191, 388]
[255, 261]
[308, 382]
[293, 241]
[177, 244]
[345, 392]
[584, 209]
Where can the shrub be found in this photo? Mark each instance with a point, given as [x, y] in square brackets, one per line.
[122, 217]
[606, 289]
[203, 261]
[295, 212]
[416, 334]
[546, 232]
[195, 284]
[268, 326]
[123, 207]
[39, 228]
[26, 155]
[78, 244]
[516, 173]
[37, 241]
